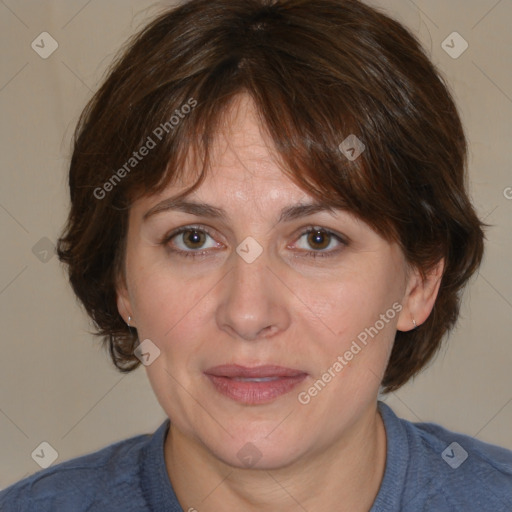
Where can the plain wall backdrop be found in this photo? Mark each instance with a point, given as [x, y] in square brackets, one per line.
[57, 384]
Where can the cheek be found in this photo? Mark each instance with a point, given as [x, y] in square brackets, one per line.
[176, 313]
[172, 315]
[156, 300]
[353, 301]
[361, 311]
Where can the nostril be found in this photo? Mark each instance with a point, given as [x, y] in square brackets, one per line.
[266, 332]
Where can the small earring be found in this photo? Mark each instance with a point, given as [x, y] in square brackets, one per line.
[129, 320]
[414, 323]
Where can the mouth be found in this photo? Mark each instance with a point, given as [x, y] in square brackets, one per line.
[256, 385]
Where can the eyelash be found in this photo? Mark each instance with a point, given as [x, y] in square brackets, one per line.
[204, 229]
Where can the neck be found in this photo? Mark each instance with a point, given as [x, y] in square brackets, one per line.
[345, 477]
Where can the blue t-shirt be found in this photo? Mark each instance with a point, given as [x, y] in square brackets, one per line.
[428, 468]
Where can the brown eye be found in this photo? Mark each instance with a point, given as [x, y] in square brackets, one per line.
[319, 239]
[319, 242]
[190, 240]
[193, 239]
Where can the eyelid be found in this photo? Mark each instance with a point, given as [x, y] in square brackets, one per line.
[189, 227]
[312, 228]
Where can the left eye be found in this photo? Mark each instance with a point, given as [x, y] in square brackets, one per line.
[319, 240]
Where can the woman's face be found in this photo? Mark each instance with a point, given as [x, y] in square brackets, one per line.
[241, 287]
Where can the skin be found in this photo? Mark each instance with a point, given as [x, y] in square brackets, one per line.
[285, 308]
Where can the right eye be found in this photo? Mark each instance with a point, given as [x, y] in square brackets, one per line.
[189, 241]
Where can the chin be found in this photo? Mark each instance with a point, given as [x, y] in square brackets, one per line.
[249, 455]
[256, 449]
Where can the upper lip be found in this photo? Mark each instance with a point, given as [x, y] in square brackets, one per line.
[235, 370]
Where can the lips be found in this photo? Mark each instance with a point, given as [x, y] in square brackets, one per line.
[256, 385]
[257, 372]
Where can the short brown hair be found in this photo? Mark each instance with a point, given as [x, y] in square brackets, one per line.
[319, 71]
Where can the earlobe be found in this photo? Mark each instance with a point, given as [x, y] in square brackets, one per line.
[123, 304]
[420, 297]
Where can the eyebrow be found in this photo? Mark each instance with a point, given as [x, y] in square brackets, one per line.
[206, 210]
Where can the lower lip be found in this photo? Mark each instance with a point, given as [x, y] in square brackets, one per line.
[253, 393]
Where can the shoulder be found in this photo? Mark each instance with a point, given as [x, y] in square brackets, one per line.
[81, 483]
[476, 460]
[460, 447]
[456, 470]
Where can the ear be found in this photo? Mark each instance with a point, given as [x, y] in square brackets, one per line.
[124, 305]
[420, 297]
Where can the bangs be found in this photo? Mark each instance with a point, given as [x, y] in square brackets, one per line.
[311, 131]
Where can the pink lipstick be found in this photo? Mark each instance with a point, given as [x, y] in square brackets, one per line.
[254, 385]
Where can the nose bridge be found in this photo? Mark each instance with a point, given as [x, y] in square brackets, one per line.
[249, 277]
[251, 305]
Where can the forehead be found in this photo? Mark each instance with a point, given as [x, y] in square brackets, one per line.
[243, 152]
[243, 164]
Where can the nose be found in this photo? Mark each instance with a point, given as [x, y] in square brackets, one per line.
[253, 302]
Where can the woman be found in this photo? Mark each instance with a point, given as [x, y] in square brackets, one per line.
[269, 213]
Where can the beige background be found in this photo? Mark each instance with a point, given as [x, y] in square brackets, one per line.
[57, 385]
